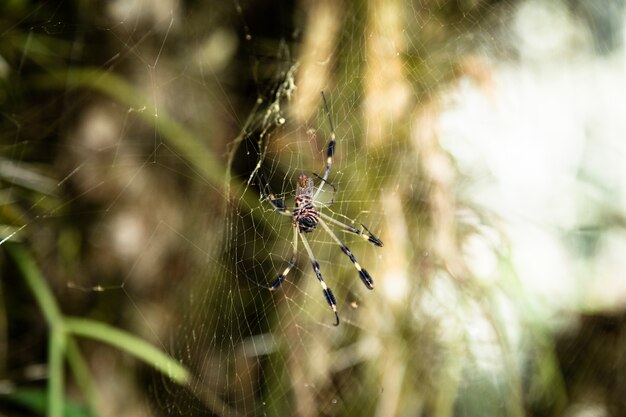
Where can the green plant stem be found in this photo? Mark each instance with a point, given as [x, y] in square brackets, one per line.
[109, 83]
[176, 135]
[81, 372]
[37, 284]
[52, 314]
[56, 374]
[61, 343]
[131, 344]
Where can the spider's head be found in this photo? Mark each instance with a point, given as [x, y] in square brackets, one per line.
[303, 180]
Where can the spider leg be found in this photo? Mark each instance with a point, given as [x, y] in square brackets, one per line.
[328, 293]
[322, 180]
[369, 236]
[278, 204]
[291, 263]
[330, 148]
[365, 276]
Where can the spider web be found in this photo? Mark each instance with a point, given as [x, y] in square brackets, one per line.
[135, 170]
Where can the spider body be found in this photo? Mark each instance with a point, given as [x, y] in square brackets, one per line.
[306, 217]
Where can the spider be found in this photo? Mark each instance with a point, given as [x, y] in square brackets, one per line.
[306, 217]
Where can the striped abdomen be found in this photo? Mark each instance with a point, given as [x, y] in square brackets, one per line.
[305, 215]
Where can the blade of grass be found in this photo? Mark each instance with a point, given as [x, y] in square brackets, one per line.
[110, 84]
[176, 135]
[81, 372]
[129, 343]
[56, 348]
[61, 344]
[37, 284]
[36, 401]
[56, 374]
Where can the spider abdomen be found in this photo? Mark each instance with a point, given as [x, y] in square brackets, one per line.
[307, 224]
[305, 215]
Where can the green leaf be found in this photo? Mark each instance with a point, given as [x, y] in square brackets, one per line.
[141, 349]
[36, 400]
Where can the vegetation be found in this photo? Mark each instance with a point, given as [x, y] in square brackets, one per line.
[136, 248]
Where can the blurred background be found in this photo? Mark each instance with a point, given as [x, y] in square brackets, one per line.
[481, 140]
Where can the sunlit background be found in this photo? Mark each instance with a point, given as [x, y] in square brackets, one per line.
[543, 134]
